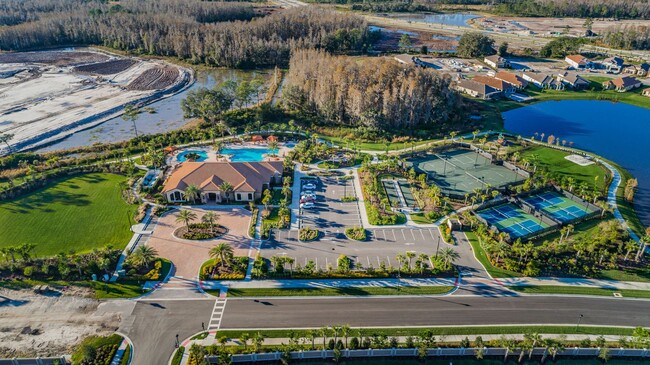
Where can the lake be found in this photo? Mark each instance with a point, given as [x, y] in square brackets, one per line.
[168, 115]
[470, 361]
[456, 19]
[616, 131]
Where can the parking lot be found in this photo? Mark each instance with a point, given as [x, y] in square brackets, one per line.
[330, 214]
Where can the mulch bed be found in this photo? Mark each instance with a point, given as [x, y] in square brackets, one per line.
[200, 231]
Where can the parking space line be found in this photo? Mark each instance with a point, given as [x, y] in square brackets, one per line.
[384, 232]
[433, 237]
[422, 234]
[368, 258]
[388, 257]
[394, 238]
[412, 235]
[378, 262]
[403, 235]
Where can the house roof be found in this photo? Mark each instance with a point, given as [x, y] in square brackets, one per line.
[579, 59]
[539, 77]
[243, 176]
[493, 82]
[495, 58]
[511, 78]
[476, 86]
[644, 66]
[614, 60]
[625, 81]
[572, 78]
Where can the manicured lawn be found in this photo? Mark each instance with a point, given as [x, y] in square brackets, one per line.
[447, 331]
[495, 272]
[75, 214]
[628, 274]
[372, 146]
[553, 160]
[358, 291]
[629, 293]
[120, 289]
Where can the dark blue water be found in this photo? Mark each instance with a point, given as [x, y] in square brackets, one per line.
[617, 131]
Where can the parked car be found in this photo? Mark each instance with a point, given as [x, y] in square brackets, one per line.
[310, 195]
[308, 192]
[309, 186]
[307, 200]
[307, 205]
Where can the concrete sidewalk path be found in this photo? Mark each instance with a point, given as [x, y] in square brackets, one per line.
[327, 283]
[577, 282]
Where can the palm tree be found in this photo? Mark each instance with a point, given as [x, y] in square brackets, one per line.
[142, 256]
[191, 193]
[186, 216]
[25, 250]
[535, 339]
[210, 218]
[323, 331]
[244, 339]
[312, 334]
[410, 255]
[224, 252]
[258, 341]
[5, 138]
[448, 256]
[345, 332]
[226, 189]
[273, 146]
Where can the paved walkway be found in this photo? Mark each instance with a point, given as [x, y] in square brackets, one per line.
[139, 230]
[120, 352]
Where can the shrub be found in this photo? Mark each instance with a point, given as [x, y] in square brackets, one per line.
[354, 343]
[307, 234]
[349, 199]
[96, 350]
[356, 233]
[28, 271]
[344, 264]
[251, 228]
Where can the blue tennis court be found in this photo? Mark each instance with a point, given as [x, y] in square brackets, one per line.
[510, 219]
[557, 206]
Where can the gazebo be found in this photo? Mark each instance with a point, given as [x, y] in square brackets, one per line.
[272, 139]
[257, 139]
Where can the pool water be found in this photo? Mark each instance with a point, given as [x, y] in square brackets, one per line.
[247, 154]
[182, 156]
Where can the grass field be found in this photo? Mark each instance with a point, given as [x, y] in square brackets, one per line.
[447, 331]
[553, 160]
[358, 291]
[480, 254]
[75, 214]
[626, 293]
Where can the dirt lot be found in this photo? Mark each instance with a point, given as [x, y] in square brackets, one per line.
[48, 95]
[49, 324]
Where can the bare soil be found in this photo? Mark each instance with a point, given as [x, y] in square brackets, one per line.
[50, 324]
[59, 58]
[107, 68]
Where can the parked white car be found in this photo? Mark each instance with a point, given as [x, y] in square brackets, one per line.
[309, 186]
[308, 205]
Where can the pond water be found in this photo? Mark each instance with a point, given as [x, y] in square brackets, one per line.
[470, 361]
[456, 19]
[168, 115]
[616, 131]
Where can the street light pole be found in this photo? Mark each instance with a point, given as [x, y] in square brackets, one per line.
[177, 344]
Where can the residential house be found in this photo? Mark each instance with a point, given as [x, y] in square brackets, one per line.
[476, 89]
[422, 61]
[613, 64]
[622, 84]
[542, 81]
[578, 61]
[638, 70]
[646, 92]
[247, 179]
[573, 80]
[505, 87]
[496, 61]
[511, 78]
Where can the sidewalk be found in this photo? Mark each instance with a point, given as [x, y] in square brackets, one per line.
[138, 230]
[577, 282]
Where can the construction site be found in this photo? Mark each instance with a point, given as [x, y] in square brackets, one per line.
[48, 95]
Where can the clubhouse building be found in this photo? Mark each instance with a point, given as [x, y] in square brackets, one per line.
[245, 180]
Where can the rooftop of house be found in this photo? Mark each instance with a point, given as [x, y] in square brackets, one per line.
[614, 60]
[476, 86]
[493, 82]
[510, 77]
[537, 76]
[579, 59]
[243, 176]
[495, 58]
[625, 81]
[572, 77]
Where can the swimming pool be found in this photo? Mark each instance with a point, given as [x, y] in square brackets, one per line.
[182, 156]
[247, 154]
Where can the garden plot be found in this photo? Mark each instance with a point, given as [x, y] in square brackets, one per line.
[46, 97]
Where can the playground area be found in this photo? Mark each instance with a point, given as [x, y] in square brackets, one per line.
[557, 206]
[510, 219]
[462, 171]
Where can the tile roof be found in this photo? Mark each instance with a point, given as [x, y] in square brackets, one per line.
[579, 59]
[539, 77]
[511, 78]
[243, 176]
[625, 81]
[493, 82]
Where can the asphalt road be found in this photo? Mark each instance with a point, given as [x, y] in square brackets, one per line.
[421, 311]
[154, 324]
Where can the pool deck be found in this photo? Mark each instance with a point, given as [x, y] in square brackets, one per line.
[172, 160]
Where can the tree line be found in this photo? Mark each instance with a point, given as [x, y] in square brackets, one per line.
[633, 9]
[627, 37]
[211, 33]
[377, 94]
